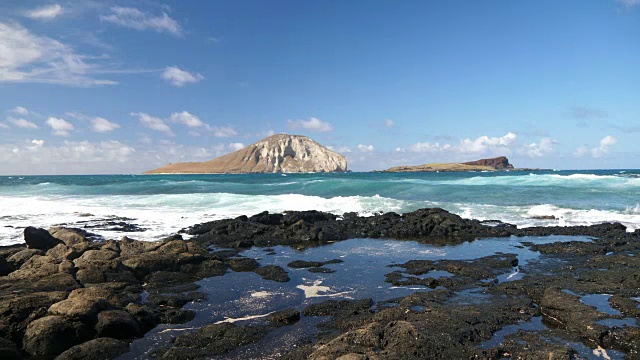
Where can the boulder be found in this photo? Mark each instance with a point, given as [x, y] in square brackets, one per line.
[79, 309]
[92, 255]
[17, 311]
[37, 267]
[51, 335]
[18, 259]
[37, 238]
[243, 264]
[117, 324]
[62, 252]
[147, 316]
[103, 348]
[273, 272]
[70, 236]
[130, 247]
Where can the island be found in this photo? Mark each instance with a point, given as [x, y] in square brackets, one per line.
[500, 163]
[280, 153]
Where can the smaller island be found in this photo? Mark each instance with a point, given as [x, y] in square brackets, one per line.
[500, 163]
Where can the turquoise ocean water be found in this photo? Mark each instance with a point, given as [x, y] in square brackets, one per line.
[162, 204]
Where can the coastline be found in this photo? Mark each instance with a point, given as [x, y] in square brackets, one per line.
[133, 286]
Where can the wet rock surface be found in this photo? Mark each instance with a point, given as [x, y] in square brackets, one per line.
[77, 297]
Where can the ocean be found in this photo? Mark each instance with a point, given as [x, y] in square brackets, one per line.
[150, 207]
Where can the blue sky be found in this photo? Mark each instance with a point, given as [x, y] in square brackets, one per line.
[126, 86]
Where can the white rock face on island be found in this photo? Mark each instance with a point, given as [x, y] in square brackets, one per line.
[279, 153]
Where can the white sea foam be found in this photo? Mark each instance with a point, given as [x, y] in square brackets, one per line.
[548, 180]
[527, 216]
[166, 214]
[317, 290]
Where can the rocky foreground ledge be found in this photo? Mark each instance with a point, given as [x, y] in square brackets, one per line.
[66, 296]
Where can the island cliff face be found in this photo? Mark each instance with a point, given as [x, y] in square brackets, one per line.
[279, 153]
[498, 163]
[493, 164]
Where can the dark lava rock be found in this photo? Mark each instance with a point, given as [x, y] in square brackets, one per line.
[6, 267]
[176, 316]
[175, 300]
[213, 340]
[103, 348]
[51, 335]
[301, 264]
[333, 307]
[266, 218]
[309, 228]
[117, 324]
[37, 238]
[147, 316]
[284, 317]
[242, 264]
[273, 272]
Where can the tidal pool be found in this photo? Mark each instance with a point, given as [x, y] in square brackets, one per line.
[246, 297]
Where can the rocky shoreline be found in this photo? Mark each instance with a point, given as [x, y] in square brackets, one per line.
[67, 296]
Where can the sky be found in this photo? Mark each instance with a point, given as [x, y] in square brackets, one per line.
[98, 87]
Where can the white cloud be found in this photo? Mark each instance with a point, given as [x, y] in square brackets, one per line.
[47, 12]
[581, 151]
[313, 124]
[629, 3]
[60, 127]
[186, 118]
[467, 146]
[153, 123]
[603, 149]
[3, 125]
[540, 149]
[599, 151]
[365, 148]
[235, 146]
[426, 147]
[341, 149]
[20, 110]
[389, 123]
[485, 143]
[178, 77]
[22, 123]
[35, 152]
[26, 57]
[222, 131]
[139, 20]
[103, 125]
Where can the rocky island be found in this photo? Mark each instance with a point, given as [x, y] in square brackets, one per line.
[280, 153]
[492, 164]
